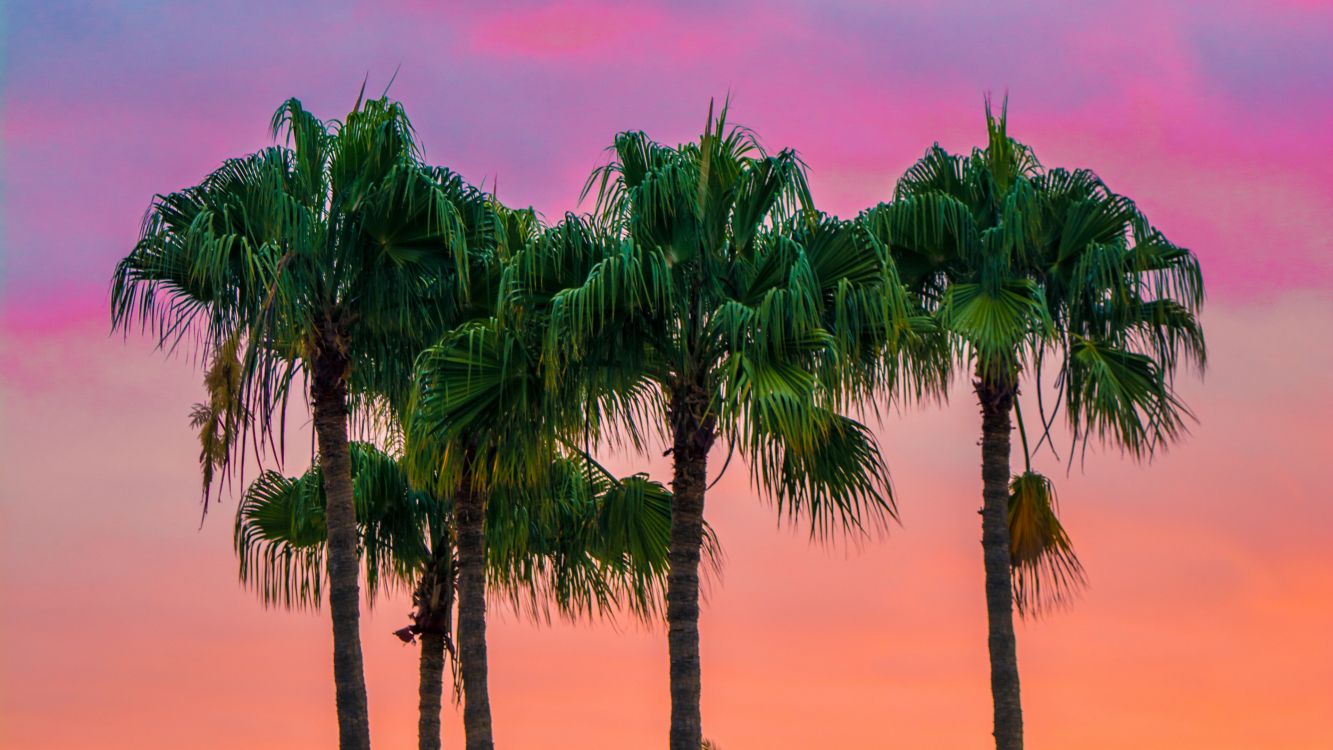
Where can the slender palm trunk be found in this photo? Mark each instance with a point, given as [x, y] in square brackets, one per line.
[328, 393]
[470, 511]
[435, 602]
[996, 404]
[430, 690]
[692, 439]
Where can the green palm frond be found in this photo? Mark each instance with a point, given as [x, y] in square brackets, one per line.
[1121, 396]
[481, 412]
[280, 533]
[995, 324]
[580, 542]
[279, 539]
[834, 476]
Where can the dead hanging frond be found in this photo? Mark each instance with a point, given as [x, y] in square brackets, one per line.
[1046, 572]
[219, 420]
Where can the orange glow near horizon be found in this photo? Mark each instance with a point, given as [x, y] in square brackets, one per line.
[1205, 625]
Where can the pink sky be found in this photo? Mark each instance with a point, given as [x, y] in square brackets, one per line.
[1212, 582]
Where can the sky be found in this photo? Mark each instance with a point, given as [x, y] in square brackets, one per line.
[1206, 623]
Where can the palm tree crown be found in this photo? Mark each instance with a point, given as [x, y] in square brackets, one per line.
[710, 294]
[1020, 265]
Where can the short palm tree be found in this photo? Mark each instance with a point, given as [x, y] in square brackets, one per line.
[584, 542]
[1024, 269]
[708, 301]
[339, 256]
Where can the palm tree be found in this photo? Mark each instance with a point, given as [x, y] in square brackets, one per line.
[1023, 268]
[709, 301]
[337, 256]
[584, 542]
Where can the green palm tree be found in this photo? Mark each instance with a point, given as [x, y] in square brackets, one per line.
[1024, 269]
[710, 301]
[337, 256]
[583, 543]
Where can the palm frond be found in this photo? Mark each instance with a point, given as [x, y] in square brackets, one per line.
[280, 531]
[1046, 572]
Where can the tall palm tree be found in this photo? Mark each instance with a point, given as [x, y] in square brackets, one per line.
[710, 301]
[474, 434]
[1024, 269]
[584, 542]
[472, 431]
[338, 256]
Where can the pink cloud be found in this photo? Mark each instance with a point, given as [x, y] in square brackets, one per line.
[559, 32]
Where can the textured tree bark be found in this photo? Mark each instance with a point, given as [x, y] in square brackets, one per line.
[692, 440]
[328, 392]
[432, 620]
[430, 690]
[996, 404]
[470, 510]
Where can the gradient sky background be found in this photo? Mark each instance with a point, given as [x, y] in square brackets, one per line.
[1207, 624]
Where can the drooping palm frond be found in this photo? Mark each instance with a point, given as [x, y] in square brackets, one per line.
[279, 539]
[220, 419]
[582, 542]
[1046, 572]
[280, 533]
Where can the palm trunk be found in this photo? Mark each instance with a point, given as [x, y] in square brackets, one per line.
[690, 450]
[996, 404]
[430, 690]
[471, 518]
[435, 603]
[329, 396]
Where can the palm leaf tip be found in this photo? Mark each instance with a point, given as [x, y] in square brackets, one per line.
[1046, 572]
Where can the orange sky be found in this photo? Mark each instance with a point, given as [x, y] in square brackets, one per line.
[1206, 625]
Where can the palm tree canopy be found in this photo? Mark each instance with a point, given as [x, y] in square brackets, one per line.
[583, 541]
[707, 277]
[339, 239]
[1018, 264]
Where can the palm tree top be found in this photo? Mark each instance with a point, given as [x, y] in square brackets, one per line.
[1027, 269]
[337, 241]
[705, 277]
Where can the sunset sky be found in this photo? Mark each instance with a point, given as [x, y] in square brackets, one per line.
[1208, 619]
